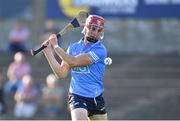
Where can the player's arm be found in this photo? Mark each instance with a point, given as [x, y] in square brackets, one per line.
[60, 70]
[80, 60]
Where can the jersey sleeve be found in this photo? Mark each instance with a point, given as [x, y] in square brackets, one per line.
[97, 54]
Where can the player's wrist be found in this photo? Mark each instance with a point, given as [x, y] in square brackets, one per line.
[56, 46]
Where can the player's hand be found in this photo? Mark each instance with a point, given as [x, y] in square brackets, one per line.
[45, 43]
[48, 48]
[53, 40]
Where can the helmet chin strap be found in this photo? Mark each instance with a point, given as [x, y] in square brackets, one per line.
[91, 39]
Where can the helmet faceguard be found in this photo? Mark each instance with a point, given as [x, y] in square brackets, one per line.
[98, 22]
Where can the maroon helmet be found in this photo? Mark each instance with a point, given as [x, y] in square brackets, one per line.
[97, 21]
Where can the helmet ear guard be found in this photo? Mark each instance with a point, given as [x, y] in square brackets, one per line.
[83, 31]
[102, 35]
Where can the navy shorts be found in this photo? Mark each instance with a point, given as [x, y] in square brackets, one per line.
[92, 105]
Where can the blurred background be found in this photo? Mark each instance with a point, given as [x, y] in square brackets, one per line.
[142, 38]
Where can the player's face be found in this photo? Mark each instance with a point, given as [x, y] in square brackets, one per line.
[93, 31]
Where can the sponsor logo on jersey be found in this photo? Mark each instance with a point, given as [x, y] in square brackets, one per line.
[84, 69]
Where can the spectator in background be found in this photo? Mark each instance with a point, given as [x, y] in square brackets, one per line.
[50, 27]
[16, 71]
[26, 99]
[53, 97]
[18, 37]
[2, 102]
